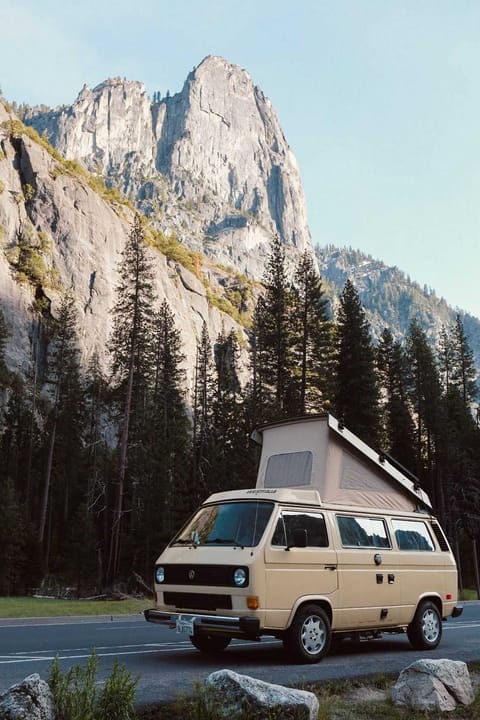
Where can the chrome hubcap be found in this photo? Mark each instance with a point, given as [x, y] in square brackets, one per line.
[430, 625]
[313, 635]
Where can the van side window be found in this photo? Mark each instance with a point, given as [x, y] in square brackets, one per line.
[412, 535]
[313, 523]
[363, 532]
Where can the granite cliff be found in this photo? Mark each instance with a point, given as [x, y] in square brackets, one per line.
[60, 230]
[210, 163]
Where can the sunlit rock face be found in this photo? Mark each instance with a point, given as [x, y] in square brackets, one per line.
[210, 164]
[76, 238]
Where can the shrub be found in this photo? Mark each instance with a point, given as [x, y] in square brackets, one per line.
[174, 250]
[28, 192]
[76, 694]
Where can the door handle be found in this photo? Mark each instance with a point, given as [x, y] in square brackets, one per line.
[330, 567]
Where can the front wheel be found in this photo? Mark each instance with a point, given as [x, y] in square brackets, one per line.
[210, 644]
[308, 638]
[425, 630]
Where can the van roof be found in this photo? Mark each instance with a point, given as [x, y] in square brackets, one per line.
[318, 452]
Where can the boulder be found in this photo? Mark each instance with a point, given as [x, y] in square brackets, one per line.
[236, 696]
[433, 685]
[29, 700]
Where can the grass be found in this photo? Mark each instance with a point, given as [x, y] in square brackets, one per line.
[468, 595]
[26, 607]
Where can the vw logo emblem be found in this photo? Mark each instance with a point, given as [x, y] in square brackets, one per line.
[191, 574]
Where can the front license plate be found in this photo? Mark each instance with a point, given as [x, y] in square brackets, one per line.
[185, 625]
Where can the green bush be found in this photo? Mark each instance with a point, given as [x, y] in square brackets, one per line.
[28, 192]
[174, 250]
[77, 696]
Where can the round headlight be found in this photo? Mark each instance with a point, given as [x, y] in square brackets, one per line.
[240, 577]
[159, 574]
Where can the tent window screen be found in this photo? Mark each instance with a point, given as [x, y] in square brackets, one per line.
[289, 470]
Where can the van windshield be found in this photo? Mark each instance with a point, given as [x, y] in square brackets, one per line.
[239, 524]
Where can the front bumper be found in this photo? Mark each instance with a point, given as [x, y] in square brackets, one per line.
[239, 627]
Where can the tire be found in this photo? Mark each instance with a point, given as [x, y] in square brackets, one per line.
[425, 630]
[210, 644]
[308, 638]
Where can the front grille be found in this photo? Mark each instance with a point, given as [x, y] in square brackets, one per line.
[198, 601]
[210, 575]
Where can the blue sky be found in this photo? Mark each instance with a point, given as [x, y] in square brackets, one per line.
[379, 99]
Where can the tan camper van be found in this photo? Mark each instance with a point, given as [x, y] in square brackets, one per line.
[333, 541]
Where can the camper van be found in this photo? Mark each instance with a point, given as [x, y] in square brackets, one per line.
[334, 541]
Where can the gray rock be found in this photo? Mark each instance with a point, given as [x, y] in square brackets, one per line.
[211, 162]
[84, 236]
[433, 685]
[238, 696]
[28, 700]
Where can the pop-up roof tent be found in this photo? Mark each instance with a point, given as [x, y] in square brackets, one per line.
[317, 452]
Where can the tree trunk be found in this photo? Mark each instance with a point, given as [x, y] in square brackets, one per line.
[113, 562]
[46, 484]
[475, 565]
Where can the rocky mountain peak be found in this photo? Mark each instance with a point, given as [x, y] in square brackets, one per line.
[209, 164]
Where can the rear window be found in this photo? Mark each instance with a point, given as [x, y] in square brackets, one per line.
[363, 532]
[412, 535]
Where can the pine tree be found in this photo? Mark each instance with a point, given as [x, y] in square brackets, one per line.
[203, 438]
[259, 404]
[312, 342]
[12, 540]
[445, 359]
[132, 368]
[64, 426]
[398, 427]
[230, 433]
[98, 463]
[162, 495]
[458, 434]
[357, 394]
[463, 372]
[425, 394]
[273, 318]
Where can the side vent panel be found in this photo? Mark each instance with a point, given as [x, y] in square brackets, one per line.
[442, 541]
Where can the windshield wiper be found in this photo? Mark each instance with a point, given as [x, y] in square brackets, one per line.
[224, 541]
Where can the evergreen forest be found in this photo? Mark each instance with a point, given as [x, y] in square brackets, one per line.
[98, 471]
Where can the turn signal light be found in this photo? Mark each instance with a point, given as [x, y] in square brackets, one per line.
[252, 602]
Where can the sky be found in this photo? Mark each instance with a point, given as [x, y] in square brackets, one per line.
[379, 100]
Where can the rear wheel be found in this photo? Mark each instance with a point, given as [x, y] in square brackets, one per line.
[210, 644]
[308, 638]
[425, 630]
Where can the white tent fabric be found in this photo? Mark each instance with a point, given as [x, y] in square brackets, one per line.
[317, 452]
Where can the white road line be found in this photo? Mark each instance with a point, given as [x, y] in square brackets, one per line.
[99, 647]
[458, 626]
[171, 647]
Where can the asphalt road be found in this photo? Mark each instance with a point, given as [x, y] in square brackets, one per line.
[168, 664]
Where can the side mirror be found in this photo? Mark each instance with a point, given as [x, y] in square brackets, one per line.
[299, 538]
